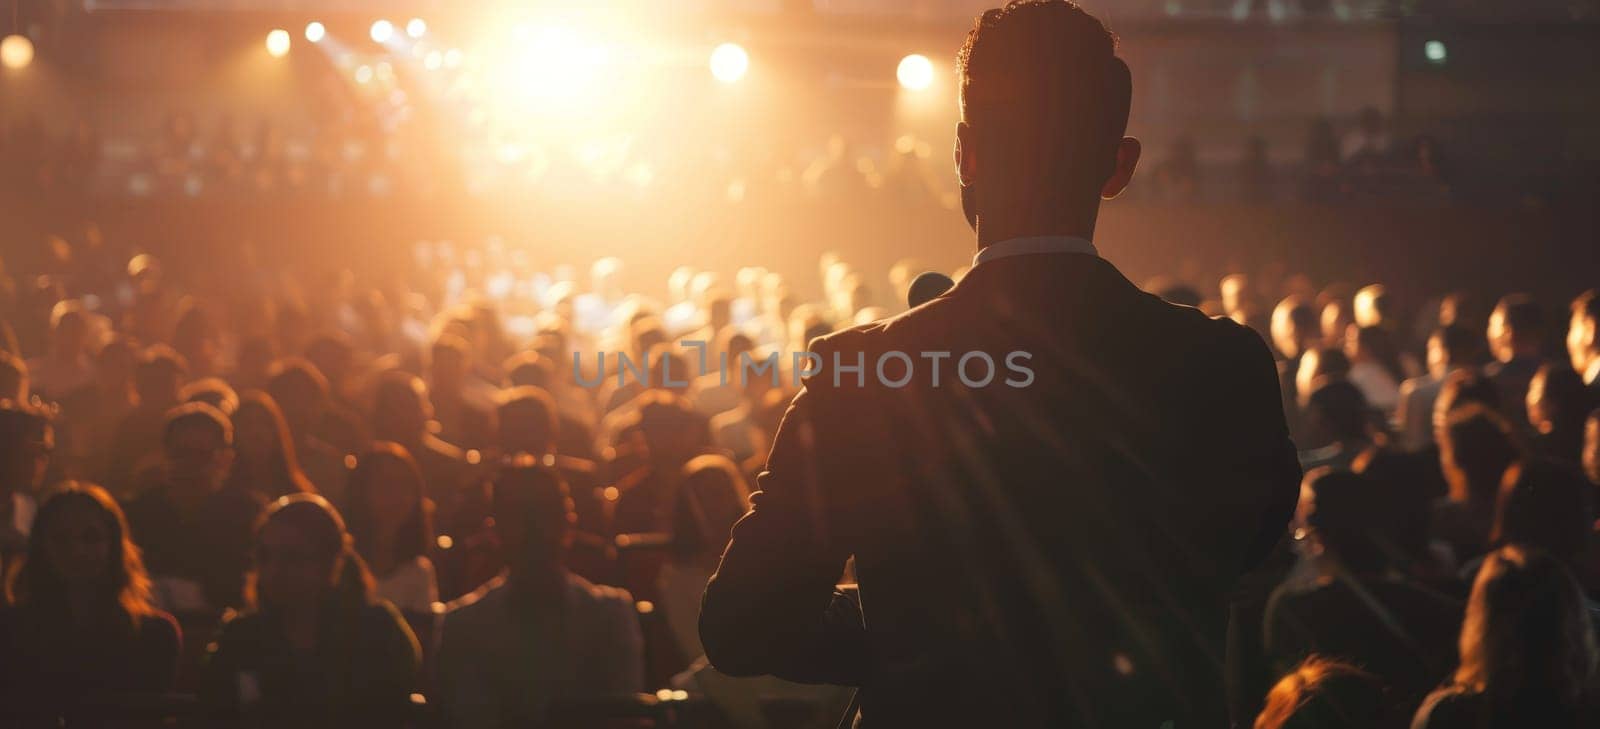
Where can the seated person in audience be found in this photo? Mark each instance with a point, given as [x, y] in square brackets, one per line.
[711, 497]
[1317, 367]
[1450, 349]
[27, 439]
[527, 423]
[1476, 446]
[1557, 404]
[1549, 506]
[1336, 415]
[213, 391]
[1359, 608]
[1375, 366]
[1324, 694]
[315, 646]
[1528, 655]
[66, 367]
[265, 462]
[719, 389]
[136, 442]
[574, 410]
[401, 413]
[1295, 331]
[80, 622]
[391, 521]
[1583, 340]
[323, 431]
[537, 634]
[1516, 340]
[195, 533]
[460, 404]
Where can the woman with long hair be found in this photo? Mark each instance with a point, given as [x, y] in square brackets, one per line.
[1528, 655]
[80, 621]
[264, 458]
[315, 646]
[391, 520]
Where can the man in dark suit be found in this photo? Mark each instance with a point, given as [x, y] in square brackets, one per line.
[1049, 480]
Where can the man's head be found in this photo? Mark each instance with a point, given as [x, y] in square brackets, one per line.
[69, 328]
[527, 421]
[1294, 326]
[1515, 328]
[534, 515]
[1583, 332]
[1449, 347]
[159, 376]
[198, 441]
[1044, 104]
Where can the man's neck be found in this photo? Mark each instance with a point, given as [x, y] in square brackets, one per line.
[993, 229]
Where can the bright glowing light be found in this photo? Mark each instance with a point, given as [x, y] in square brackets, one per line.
[278, 43]
[1435, 51]
[433, 60]
[16, 51]
[364, 74]
[452, 58]
[315, 32]
[416, 27]
[915, 72]
[729, 62]
[382, 31]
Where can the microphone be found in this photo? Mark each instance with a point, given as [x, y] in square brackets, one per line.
[927, 286]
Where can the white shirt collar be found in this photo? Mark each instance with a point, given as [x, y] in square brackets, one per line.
[1034, 244]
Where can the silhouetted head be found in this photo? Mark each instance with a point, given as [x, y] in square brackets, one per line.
[304, 556]
[1451, 346]
[1346, 513]
[1044, 104]
[525, 369]
[400, 408]
[712, 496]
[300, 391]
[1557, 401]
[1322, 693]
[386, 498]
[1475, 448]
[527, 421]
[159, 376]
[1462, 388]
[80, 545]
[198, 443]
[1294, 326]
[1546, 505]
[1516, 328]
[1583, 332]
[1318, 367]
[1527, 642]
[534, 516]
[1337, 411]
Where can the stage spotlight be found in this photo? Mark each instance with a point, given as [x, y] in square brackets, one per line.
[416, 27]
[382, 31]
[915, 72]
[16, 51]
[1435, 52]
[729, 62]
[278, 43]
[315, 32]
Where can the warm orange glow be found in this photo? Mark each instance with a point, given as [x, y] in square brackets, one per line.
[729, 62]
[278, 43]
[16, 51]
[915, 72]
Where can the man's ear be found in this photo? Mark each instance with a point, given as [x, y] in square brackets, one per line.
[1128, 151]
[965, 155]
